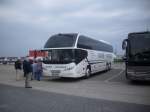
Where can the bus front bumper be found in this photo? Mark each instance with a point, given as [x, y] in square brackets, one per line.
[68, 74]
[138, 76]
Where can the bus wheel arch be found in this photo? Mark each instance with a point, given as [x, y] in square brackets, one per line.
[88, 71]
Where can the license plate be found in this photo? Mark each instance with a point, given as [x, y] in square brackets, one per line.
[55, 72]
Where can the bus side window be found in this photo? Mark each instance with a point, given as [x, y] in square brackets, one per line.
[80, 55]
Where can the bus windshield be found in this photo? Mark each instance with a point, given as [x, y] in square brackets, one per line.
[59, 56]
[61, 40]
[140, 46]
[64, 56]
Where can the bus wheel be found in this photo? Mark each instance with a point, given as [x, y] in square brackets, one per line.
[87, 73]
[109, 66]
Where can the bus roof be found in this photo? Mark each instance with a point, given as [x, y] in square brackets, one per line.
[144, 32]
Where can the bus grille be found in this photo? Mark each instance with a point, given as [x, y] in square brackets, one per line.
[140, 70]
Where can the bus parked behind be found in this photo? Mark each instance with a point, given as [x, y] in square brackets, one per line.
[137, 56]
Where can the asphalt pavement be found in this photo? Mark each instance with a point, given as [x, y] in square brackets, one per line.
[18, 99]
[102, 92]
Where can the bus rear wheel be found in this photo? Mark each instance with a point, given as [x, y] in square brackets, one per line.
[108, 66]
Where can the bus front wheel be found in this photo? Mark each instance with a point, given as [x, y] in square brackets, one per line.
[87, 73]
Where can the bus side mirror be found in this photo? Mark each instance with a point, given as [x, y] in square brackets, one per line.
[124, 58]
[124, 44]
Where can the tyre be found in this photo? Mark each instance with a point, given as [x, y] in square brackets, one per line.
[107, 66]
[87, 73]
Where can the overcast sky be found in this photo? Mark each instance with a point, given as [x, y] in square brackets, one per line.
[27, 24]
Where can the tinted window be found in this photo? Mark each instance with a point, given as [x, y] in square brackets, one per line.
[139, 42]
[84, 42]
[59, 56]
[61, 40]
[64, 56]
[88, 43]
[103, 47]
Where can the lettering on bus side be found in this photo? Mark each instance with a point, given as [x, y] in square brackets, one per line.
[109, 56]
[101, 55]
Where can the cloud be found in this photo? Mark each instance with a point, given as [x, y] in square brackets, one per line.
[28, 24]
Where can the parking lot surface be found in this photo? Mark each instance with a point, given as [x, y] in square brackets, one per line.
[111, 85]
[18, 99]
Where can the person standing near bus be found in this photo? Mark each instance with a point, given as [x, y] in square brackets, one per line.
[39, 70]
[34, 70]
[27, 71]
[24, 61]
[18, 69]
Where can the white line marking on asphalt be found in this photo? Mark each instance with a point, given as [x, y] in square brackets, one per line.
[107, 80]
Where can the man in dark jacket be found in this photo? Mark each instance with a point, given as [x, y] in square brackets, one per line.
[24, 62]
[27, 67]
[18, 69]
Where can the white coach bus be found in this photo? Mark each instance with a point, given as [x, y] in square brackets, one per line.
[74, 55]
